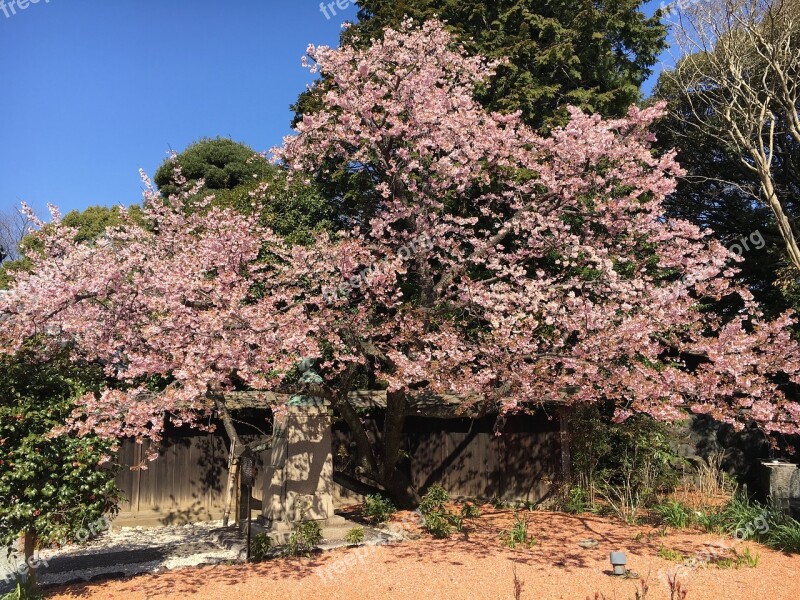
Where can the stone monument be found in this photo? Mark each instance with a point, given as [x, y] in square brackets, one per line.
[298, 483]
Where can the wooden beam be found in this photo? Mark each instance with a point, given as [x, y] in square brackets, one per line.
[424, 404]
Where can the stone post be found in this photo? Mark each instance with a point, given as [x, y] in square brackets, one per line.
[781, 482]
[299, 479]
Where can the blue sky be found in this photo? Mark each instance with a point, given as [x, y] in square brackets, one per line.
[92, 90]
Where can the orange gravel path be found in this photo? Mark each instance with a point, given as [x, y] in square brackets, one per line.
[475, 566]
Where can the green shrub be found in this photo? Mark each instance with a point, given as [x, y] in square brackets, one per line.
[785, 536]
[674, 514]
[26, 590]
[260, 547]
[434, 499]
[303, 539]
[470, 511]
[378, 509]
[437, 520]
[438, 524]
[636, 456]
[355, 536]
[575, 500]
[517, 535]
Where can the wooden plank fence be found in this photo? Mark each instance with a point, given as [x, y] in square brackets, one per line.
[186, 483]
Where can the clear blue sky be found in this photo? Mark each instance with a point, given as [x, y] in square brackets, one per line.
[92, 90]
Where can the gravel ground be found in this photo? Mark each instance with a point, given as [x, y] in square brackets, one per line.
[476, 566]
[129, 551]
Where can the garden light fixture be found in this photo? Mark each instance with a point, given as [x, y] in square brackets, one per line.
[618, 561]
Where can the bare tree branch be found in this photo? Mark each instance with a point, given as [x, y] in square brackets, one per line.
[14, 225]
[739, 74]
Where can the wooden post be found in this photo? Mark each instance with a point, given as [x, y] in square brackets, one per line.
[232, 467]
[249, 543]
[29, 547]
[237, 497]
[564, 414]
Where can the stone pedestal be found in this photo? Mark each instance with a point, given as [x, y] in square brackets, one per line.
[781, 482]
[299, 479]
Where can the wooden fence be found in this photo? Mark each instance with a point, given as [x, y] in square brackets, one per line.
[469, 460]
[186, 483]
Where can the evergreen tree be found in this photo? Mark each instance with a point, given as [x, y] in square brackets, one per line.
[591, 54]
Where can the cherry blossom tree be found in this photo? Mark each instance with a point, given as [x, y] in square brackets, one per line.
[492, 265]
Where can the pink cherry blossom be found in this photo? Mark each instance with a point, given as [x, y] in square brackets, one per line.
[549, 270]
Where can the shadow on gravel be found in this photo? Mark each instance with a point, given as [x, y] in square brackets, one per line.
[64, 564]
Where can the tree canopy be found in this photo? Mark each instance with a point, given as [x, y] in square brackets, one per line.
[495, 263]
[246, 181]
[51, 484]
[220, 162]
[735, 89]
[732, 105]
[593, 55]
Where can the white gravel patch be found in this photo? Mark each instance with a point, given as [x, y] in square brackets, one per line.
[139, 538]
[178, 546]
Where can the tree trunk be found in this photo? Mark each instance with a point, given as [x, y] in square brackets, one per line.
[784, 223]
[383, 472]
[400, 489]
[393, 423]
[229, 488]
[395, 482]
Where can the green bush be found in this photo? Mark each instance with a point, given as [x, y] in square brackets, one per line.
[355, 536]
[439, 524]
[378, 509]
[517, 535]
[635, 457]
[437, 520]
[26, 590]
[785, 536]
[260, 547]
[575, 500]
[434, 499]
[470, 511]
[50, 486]
[304, 538]
[674, 514]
